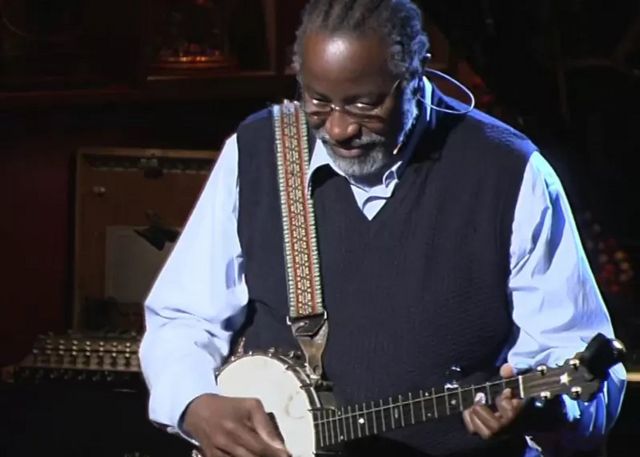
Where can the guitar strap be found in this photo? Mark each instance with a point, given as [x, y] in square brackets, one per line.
[307, 316]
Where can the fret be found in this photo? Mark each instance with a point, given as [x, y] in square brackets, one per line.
[366, 422]
[469, 398]
[427, 395]
[322, 425]
[384, 427]
[344, 424]
[446, 401]
[460, 402]
[435, 406]
[424, 415]
[488, 389]
[413, 418]
[392, 413]
[316, 426]
[401, 410]
[330, 424]
[337, 435]
[373, 419]
[350, 422]
[497, 390]
[358, 422]
[520, 382]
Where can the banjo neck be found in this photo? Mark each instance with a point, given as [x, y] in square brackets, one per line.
[339, 425]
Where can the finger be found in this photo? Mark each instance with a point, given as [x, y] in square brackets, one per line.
[468, 423]
[480, 399]
[486, 429]
[265, 428]
[236, 450]
[255, 444]
[506, 407]
[217, 453]
[509, 407]
[507, 371]
[484, 421]
[208, 451]
[240, 443]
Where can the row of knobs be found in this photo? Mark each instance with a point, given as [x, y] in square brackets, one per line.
[89, 355]
[42, 374]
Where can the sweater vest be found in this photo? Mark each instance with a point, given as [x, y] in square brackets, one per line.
[416, 290]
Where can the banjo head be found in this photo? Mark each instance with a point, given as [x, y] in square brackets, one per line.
[285, 391]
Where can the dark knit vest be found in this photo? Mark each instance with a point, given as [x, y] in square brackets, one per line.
[409, 294]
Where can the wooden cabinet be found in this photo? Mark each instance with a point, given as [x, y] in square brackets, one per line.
[131, 204]
[131, 50]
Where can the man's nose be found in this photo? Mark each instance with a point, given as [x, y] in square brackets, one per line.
[341, 127]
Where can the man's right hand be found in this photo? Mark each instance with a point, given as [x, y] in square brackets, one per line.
[236, 427]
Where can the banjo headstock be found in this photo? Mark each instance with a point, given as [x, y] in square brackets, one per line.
[580, 377]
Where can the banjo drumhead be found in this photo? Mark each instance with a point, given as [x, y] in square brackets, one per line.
[279, 386]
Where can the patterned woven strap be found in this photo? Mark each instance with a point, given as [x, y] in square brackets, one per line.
[301, 252]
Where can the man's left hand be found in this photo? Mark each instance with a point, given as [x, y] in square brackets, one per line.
[488, 423]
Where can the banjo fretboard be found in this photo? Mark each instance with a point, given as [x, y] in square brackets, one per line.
[335, 426]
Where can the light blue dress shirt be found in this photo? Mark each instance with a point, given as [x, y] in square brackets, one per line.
[200, 294]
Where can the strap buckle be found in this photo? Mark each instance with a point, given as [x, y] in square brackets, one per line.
[307, 326]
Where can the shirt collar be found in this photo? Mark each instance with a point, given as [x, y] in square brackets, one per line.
[320, 157]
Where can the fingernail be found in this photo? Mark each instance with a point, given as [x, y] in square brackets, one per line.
[480, 398]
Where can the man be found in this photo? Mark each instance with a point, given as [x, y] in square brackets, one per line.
[444, 239]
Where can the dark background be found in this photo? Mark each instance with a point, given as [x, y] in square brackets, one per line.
[79, 74]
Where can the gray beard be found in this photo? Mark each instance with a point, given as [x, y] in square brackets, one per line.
[370, 164]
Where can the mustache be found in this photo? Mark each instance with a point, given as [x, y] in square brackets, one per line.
[369, 140]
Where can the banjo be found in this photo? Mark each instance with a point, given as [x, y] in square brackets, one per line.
[311, 423]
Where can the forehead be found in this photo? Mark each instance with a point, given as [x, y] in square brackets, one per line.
[331, 61]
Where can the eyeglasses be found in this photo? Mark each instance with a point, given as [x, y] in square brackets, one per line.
[359, 112]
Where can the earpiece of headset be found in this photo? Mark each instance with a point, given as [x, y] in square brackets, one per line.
[472, 100]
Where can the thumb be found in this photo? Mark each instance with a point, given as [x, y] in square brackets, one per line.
[507, 371]
[266, 429]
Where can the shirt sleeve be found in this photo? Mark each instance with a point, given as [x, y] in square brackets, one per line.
[197, 300]
[557, 305]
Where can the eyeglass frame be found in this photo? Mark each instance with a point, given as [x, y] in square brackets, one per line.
[374, 116]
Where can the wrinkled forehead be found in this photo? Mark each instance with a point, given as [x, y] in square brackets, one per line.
[343, 60]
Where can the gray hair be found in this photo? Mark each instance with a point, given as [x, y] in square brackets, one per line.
[398, 20]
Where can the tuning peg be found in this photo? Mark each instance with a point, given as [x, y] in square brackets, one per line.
[620, 351]
[542, 370]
